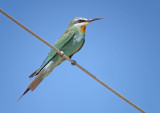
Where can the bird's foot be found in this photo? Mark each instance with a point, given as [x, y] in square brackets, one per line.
[61, 53]
[74, 62]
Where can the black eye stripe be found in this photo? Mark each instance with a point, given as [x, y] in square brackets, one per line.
[79, 21]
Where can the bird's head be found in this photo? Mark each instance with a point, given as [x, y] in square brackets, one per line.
[81, 23]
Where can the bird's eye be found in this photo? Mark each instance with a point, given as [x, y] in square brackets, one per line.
[79, 21]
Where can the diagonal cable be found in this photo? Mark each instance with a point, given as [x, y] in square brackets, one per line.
[66, 57]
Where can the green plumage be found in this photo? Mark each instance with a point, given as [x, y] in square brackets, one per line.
[70, 42]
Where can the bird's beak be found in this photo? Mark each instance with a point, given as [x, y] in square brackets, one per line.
[91, 20]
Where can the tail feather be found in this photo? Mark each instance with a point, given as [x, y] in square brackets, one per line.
[33, 74]
[34, 83]
[23, 94]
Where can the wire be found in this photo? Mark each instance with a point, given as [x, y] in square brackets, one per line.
[66, 57]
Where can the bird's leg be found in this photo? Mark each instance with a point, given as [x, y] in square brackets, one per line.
[61, 53]
[74, 62]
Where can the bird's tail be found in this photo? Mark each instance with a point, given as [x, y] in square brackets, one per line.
[23, 94]
[34, 83]
[33, 74]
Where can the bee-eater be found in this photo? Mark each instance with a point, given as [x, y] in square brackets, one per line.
[69, 43]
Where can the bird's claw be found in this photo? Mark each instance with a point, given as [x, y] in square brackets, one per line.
[61, 53]
[74, 62]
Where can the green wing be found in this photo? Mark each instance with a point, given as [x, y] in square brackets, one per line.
[60, 43]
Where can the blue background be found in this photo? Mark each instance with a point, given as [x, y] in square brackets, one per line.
[123, 50]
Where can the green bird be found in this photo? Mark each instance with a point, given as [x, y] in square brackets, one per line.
[69, 43]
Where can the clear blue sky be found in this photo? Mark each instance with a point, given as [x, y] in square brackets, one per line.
[123, 50]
